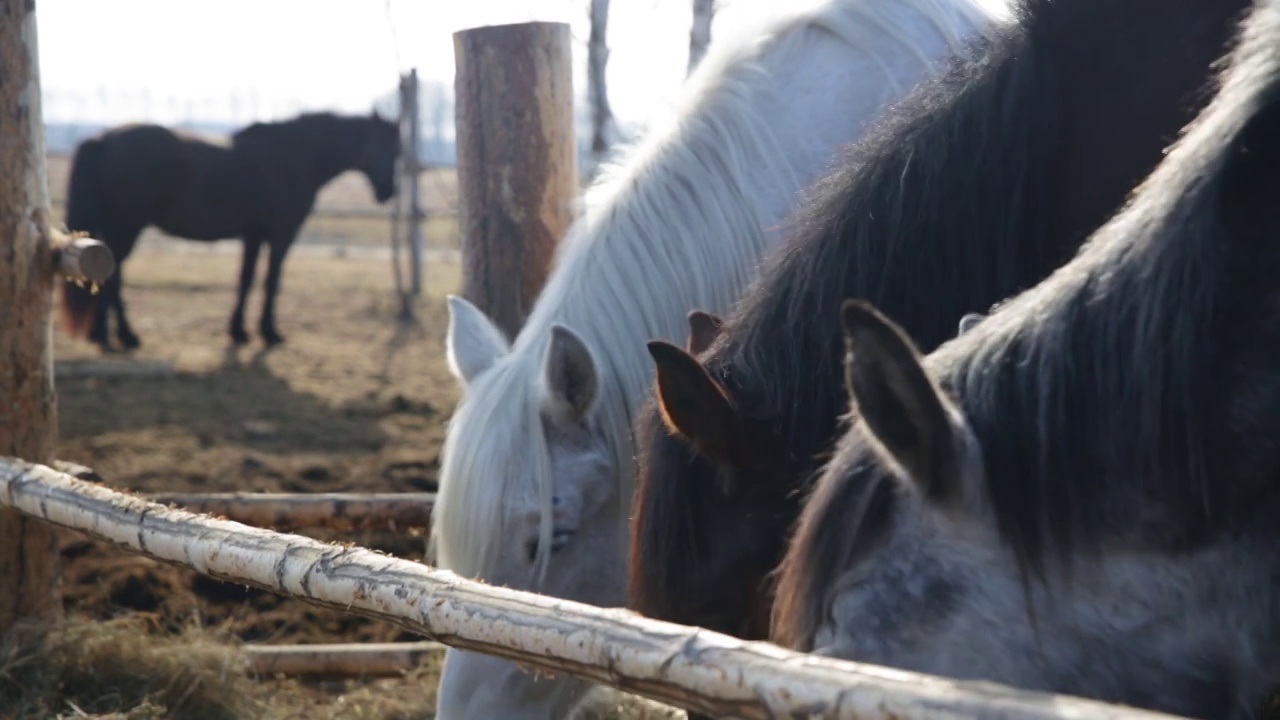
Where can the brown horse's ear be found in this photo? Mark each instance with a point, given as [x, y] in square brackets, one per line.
[693, 405]
[902, 409]
[704, 328]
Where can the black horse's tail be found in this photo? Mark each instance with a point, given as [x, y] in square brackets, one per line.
[84, 213]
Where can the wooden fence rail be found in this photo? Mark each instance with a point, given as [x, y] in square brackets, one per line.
[689, 667]
[294, 511]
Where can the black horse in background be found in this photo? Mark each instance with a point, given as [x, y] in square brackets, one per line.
[259, 187]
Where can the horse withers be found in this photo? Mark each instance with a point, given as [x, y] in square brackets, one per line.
[259, 187]
[976, 187]
[1079, 495]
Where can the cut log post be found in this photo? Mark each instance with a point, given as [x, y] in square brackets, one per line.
[340, 660]
[690, 667]
[85, 260]
[340, 511]
[517, 161]
[28, 406]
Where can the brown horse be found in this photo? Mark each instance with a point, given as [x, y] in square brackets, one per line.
[976, 187]
[260, 188]
[1078, 495]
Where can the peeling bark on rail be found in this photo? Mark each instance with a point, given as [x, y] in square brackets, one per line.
[693, 668]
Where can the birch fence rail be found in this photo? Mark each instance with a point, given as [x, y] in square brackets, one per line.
[688, 667]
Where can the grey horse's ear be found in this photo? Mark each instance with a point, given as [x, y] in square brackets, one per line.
[910, 421]
[969, 321]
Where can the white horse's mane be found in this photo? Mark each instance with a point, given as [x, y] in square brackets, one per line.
[654, 239]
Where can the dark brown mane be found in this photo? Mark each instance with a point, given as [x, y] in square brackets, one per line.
[972, 189]
[1129, 398]
[1129, 341]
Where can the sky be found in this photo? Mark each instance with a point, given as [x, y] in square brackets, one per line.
[107, 61]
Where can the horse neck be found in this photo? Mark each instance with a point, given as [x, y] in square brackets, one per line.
[1117, 128]
[330, 150]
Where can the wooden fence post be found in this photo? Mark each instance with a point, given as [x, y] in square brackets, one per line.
[29, 568]
[413, 168]
[517, 161]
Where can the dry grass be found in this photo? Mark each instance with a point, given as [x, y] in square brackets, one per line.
[130, 669]
[121, 666]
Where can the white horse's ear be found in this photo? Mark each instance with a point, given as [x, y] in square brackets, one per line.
[473, 343]
[571, 383]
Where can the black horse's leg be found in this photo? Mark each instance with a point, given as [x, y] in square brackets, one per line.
[115, 285]
[98, 332]
[275, 260]
[248, 267]
[128, 340]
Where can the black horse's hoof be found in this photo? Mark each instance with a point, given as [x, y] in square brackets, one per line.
[239, 336]
[130, 341]
[272, 338]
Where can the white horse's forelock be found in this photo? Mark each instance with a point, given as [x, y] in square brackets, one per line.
[672, 227]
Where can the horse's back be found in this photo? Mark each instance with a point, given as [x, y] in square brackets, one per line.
[139, 168]
[187, 185]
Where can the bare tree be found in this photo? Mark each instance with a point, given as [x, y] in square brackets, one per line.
[603, 130]
[700, 33]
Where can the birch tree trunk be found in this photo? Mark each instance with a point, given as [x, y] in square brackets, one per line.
[602, 123]
[700, 33]
[28, 407]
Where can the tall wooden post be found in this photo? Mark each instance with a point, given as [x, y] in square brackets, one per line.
[517, 161]
[29, 571]
[700, 32]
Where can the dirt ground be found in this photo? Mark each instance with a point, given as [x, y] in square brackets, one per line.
[352, 401]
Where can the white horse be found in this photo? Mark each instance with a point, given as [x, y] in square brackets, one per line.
[536, 477]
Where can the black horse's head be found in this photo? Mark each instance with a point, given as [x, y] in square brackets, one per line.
[378, 156]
